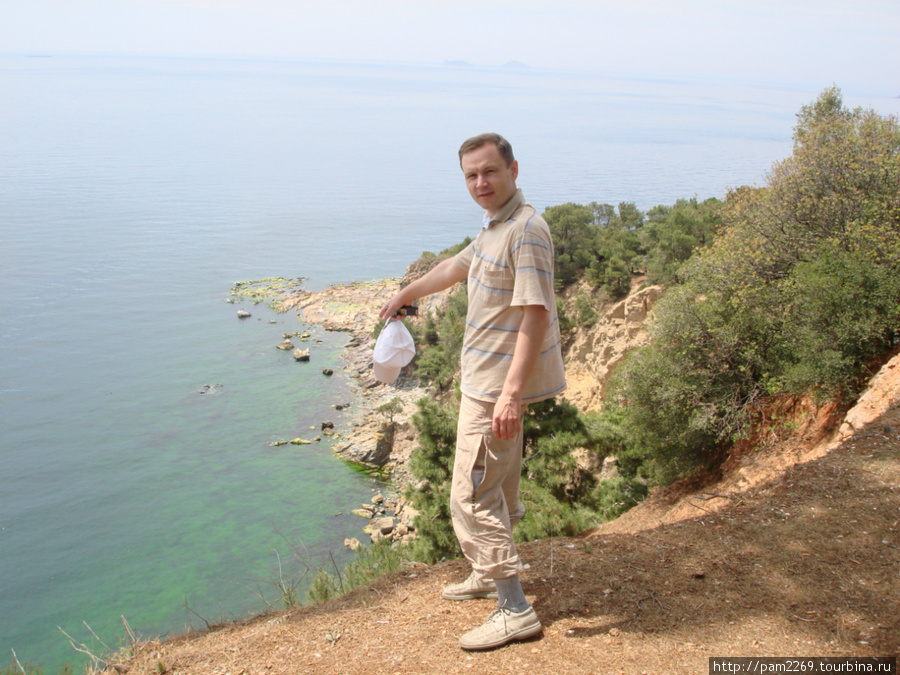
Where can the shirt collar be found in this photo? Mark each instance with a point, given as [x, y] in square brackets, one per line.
[514, 204]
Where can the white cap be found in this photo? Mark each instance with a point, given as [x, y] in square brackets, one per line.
[393, 350]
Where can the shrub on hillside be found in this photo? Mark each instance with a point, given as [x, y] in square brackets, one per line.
[671, 234]
[370, 563]
[560, 498]
[431, 463]
[440, 343]
[596, 243]
[798, 293]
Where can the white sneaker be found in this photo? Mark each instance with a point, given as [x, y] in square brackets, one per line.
[501, 627]
[471, 588]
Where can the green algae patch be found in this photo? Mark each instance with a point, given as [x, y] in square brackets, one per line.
[265, 290]
[341, 307]
[380, 474]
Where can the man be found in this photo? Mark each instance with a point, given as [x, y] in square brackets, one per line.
[511, 357]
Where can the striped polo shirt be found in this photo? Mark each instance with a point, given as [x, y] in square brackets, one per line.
[510, 265]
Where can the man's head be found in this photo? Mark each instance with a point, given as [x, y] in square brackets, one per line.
[490, 170]
[503, 146]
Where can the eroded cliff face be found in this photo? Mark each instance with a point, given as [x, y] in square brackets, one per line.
[596, 350]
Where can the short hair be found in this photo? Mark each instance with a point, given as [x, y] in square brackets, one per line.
[506, 151]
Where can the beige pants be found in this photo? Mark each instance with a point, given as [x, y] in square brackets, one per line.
[483, 517]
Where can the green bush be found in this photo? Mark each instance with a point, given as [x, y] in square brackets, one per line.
[798, 293]
[574, 234]
[324, 587]
[547, 516]
[552, 430]
[596, 243]
[672, 234]
[585, 313]
[370, 563]
[437, 362]
[431, 463]
[559, 497]
[567, 325]
[614, 497]
[845, 311]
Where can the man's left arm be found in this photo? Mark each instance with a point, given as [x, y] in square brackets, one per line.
[508, 409]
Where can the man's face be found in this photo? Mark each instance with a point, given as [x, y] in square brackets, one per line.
[490, 181]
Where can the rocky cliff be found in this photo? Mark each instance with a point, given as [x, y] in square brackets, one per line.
[597, 349]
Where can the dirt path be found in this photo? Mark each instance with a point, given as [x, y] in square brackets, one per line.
[808, 565]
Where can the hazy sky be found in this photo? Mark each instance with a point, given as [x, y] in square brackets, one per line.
[852, 43]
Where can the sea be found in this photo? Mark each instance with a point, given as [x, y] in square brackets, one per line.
[139, 483]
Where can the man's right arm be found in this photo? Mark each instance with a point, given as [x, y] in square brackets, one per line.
[443, 276]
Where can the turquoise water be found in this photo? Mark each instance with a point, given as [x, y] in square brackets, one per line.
[149, 496]
[135, 192]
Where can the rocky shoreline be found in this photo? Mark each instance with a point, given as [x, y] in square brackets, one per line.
[378, 441]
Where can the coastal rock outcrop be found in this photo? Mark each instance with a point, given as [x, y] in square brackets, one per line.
[382, 441]
[352, 308]
[389, 518]
[376, 440]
